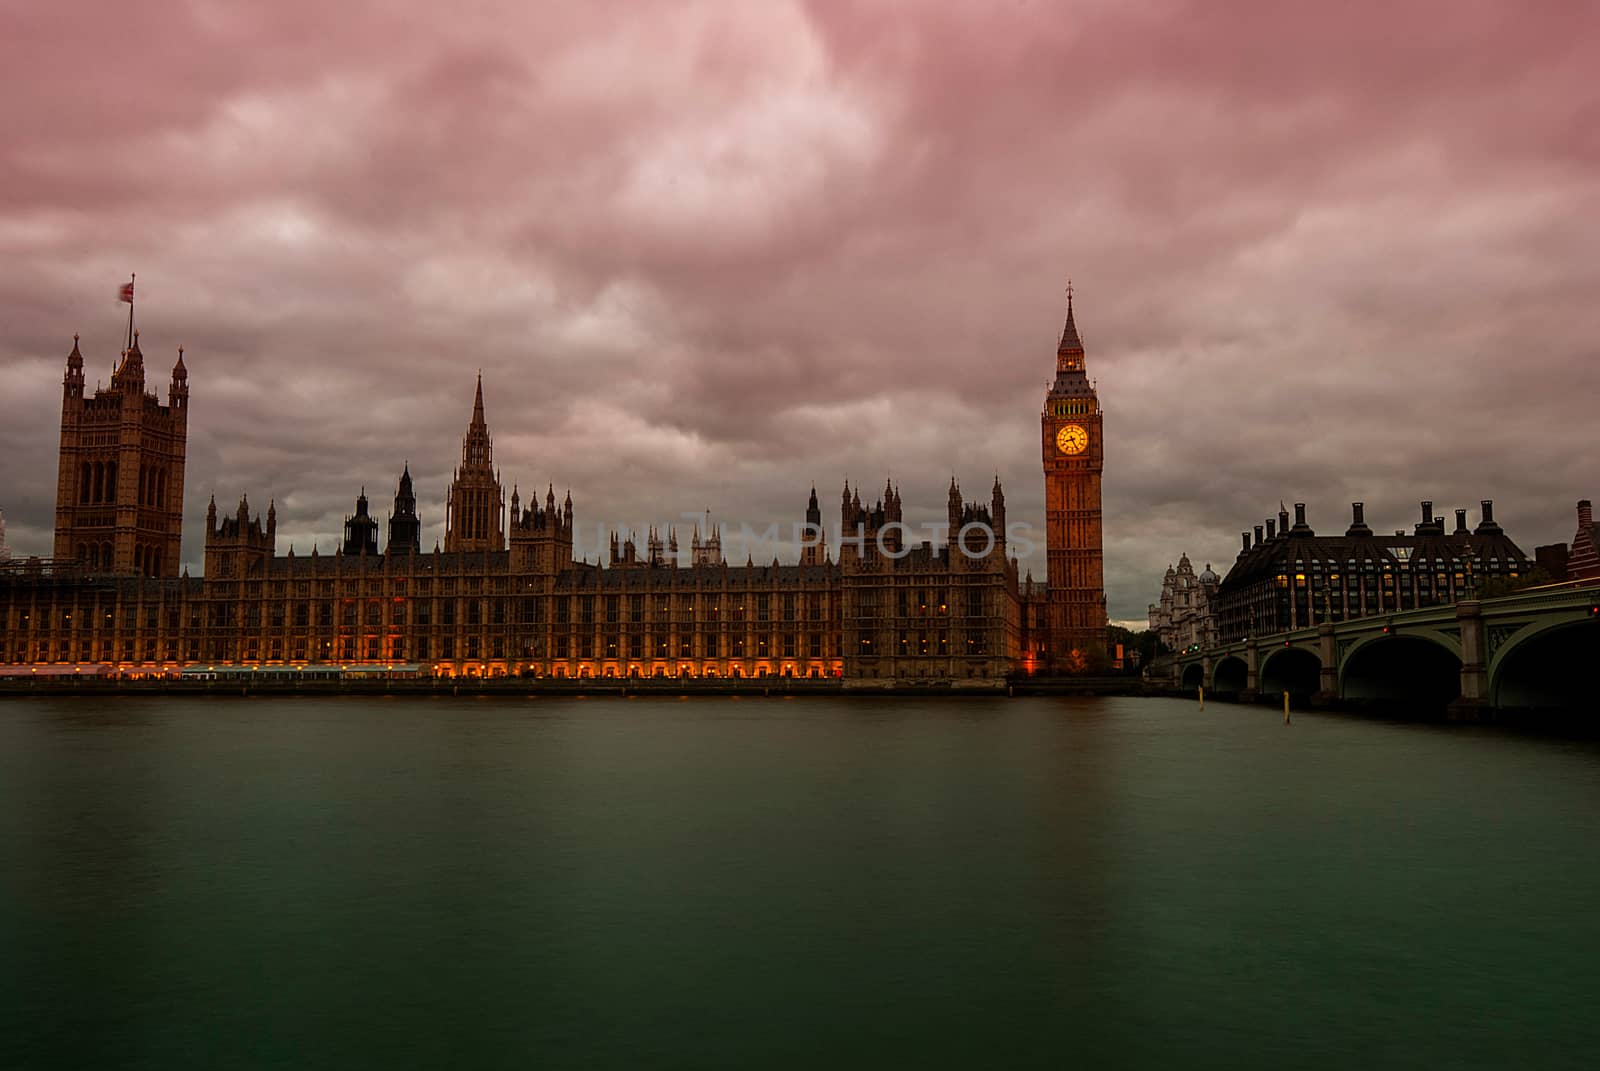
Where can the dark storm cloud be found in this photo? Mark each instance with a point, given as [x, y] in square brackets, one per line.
[706, 254]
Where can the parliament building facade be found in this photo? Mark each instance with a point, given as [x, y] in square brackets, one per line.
[503, 594]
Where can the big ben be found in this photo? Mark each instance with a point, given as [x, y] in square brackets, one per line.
[1073, 445]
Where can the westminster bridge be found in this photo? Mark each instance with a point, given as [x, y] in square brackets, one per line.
[1528, 651]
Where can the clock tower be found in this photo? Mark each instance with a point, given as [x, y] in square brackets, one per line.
[1074, 457]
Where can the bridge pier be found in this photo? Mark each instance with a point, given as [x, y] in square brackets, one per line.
[1473, 702]
[1328, 677]
[1252, 670]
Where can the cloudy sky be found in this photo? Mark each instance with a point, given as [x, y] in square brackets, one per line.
[707, 254]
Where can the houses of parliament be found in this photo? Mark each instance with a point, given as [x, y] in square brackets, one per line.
[503, 595]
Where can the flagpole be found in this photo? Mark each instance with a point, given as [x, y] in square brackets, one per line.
[131, 277]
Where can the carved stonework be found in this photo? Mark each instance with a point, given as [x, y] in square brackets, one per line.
[1499, 634]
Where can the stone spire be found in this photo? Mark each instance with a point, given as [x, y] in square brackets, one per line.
[1069, 353]
[475, 514]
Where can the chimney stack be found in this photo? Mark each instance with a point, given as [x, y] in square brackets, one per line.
[1283, 520]
[1427, 514]
[1358, 520]
[1487, 525]
[1585, 513]
[1246, 539]
[1461, 522]
[1258, 535]
[1271, 533]
[1299, 514]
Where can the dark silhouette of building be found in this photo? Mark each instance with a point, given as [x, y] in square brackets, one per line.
[1552, 558]
[1291, 578]
[360, 530]
[405, 527]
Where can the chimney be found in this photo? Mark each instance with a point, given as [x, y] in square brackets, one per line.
[1487, 525]
[1427, 514]
[1246, 540]
[1358, 520]
[1585, 514]
[1258, 535]
[1300, 515]
[1283, 520]
[1270, 532]
[1461, 522]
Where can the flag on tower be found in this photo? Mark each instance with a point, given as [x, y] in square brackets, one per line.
[125, 292]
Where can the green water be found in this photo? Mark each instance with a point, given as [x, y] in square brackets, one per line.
[769, 883]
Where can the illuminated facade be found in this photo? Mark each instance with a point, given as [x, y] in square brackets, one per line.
[504, 595]
[1073, 449]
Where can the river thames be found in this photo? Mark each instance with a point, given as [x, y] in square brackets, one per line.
[799, 883]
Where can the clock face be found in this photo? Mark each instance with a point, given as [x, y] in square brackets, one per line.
[1072, 439]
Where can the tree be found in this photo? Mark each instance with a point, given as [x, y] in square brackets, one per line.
[1496, 586]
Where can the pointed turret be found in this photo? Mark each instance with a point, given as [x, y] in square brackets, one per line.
[72, 383]
[997, 512]
[178, 391]
[129, 376]
[405, 529]
[360, 529]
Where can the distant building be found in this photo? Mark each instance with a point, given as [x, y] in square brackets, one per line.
[5, 548]
[1185, 615]
[1292, 578]
[1552, 558]
[1583, 562]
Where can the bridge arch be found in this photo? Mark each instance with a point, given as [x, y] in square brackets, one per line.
[1194, 675]
[1295, 670]
[1230, 674]
[1547, 668]
[1413, 672]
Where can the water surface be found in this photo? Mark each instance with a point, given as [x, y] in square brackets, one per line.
[788, 883]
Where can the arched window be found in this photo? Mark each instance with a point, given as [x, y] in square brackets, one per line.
[106, 558]
[143, 470]
[85, 484]
[161, 489]
[111, 482]
[99, 482]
